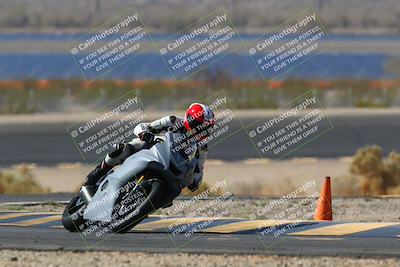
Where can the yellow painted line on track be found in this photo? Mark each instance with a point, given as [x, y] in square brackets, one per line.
[13, 215]
[36, 221]
[343, 229]
[247, 225]
[167, 223]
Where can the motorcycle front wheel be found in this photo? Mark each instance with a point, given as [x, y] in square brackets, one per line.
[72, 218]
[134, 207]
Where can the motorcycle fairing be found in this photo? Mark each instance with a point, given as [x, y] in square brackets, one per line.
[100, 207]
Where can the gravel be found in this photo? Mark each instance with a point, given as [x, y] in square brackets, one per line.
[12, 258]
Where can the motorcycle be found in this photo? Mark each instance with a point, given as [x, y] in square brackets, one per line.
[123, 198]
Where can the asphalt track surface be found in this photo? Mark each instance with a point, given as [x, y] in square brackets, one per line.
[44, 232]
[50, 143]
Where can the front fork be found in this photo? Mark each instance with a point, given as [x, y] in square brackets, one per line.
[87, 192]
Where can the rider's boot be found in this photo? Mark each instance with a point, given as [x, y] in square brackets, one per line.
[116, 157]
[94, 176]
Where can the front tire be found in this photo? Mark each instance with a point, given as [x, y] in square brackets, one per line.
[71, 218]
[154, 191]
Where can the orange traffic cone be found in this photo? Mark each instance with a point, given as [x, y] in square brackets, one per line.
[323, 212]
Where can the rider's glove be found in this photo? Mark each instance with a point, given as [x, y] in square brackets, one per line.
[141, 128]
[193, 186]
[147, 137]
[117, 150]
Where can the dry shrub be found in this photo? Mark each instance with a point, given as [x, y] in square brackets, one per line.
[375, 174]
[392, 168]
[20, 183]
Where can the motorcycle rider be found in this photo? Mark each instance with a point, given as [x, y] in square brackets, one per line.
[197, 118]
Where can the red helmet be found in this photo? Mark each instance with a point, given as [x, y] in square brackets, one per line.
[199, 115]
